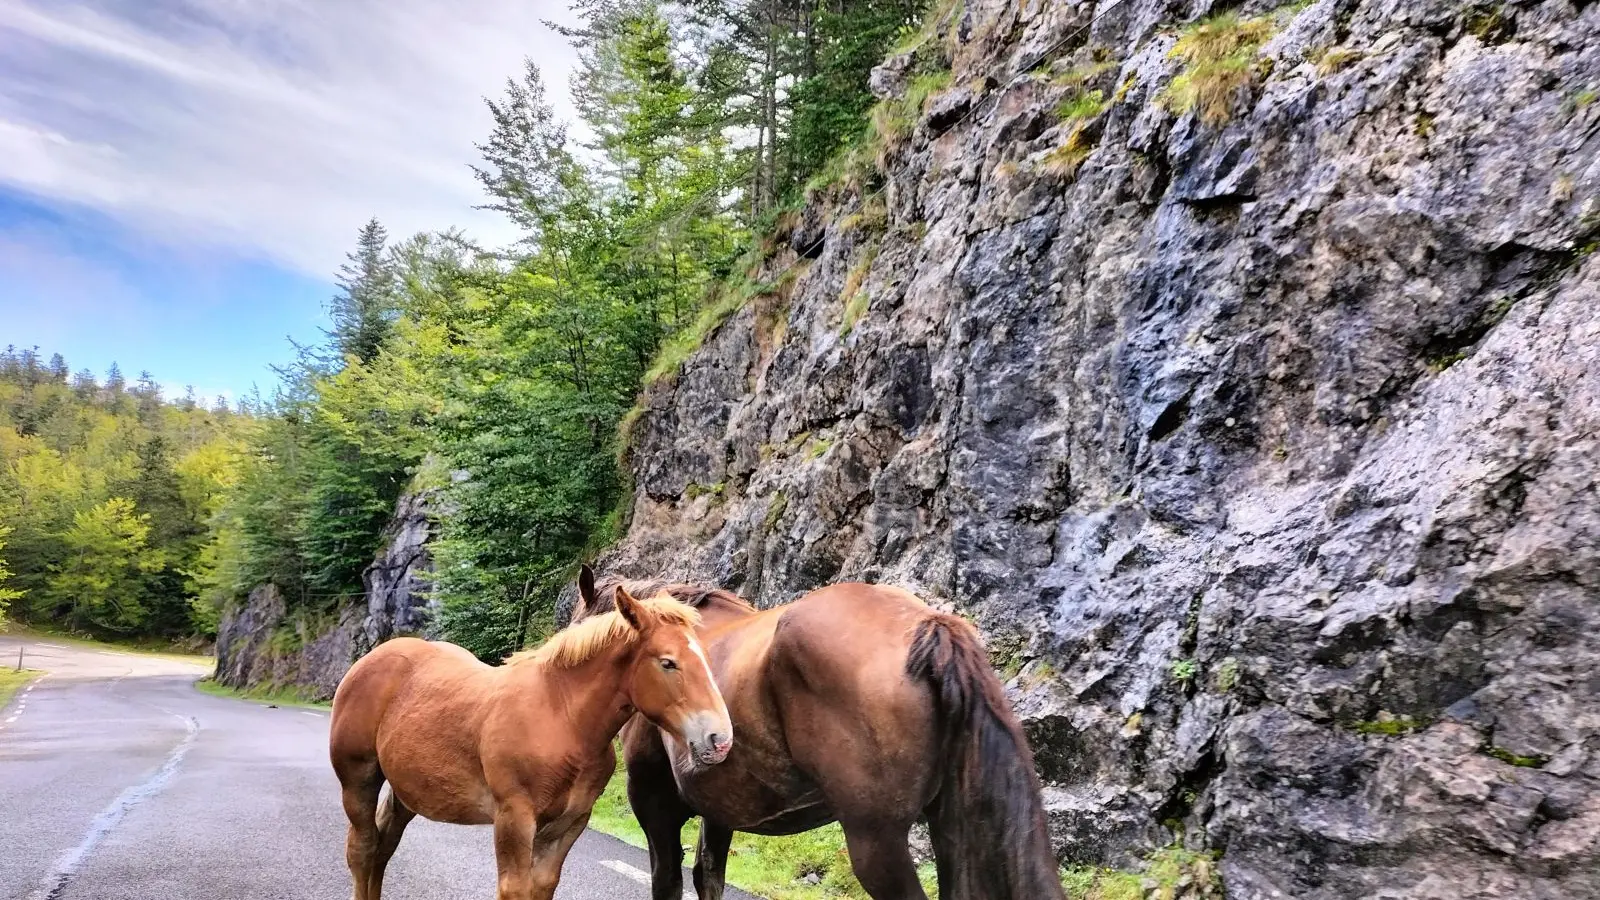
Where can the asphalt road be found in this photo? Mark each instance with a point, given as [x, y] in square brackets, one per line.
[120, 781]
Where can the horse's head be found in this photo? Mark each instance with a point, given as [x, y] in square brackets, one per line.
[669, 681]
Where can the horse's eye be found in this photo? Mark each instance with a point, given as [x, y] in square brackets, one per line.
[669, 664]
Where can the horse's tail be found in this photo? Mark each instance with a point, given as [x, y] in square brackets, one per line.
[987, 820]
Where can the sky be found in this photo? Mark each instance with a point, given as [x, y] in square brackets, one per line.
[181, 179]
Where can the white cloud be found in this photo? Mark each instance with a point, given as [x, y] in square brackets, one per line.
[271, 128]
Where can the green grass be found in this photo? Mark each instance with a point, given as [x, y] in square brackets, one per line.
[1086, 105]
[1500, 753]
[143, 648]
[678, 348]
[696, 489]
[893, 119]
[1219, 57]
[772, 867]
[1166, 868]
[278, 696]
[1337, 59]
[1228, 674]
[775, 508]
[12, 681]
[854, 311]
[777, 867]
[1065, 159]
[1389, 726]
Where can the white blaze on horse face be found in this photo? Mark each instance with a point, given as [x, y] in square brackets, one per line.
[697, 650]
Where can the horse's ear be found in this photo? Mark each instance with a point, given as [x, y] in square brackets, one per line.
[630, 609]
[586, 588]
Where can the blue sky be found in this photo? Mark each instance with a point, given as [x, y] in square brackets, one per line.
[181, 178]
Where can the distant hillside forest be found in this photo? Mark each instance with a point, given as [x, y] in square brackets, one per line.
[496, 377]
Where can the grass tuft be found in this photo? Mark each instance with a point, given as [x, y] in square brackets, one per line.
[1066, 159]
[678, 348]
[1126, 88]
[1388, 726]
[1337, 59]
[1079, 106]
[1227, 674]
[1219, 57]
[871, 217]
[853, 295]
[1526, 762]
[775, 508]
[854, 311]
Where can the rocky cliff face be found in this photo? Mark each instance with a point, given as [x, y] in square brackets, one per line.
[261, 643]
[1243, 382]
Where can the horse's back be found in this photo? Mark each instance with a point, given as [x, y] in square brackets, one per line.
[395, 668]
[851, 629]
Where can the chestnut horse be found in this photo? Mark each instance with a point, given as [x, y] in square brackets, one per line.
[526, 746]
[859, 704]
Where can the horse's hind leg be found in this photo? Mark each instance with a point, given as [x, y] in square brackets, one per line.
[361, 784]
[392, 819]
[881, 859]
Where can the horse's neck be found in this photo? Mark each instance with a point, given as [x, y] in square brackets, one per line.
[592, 696]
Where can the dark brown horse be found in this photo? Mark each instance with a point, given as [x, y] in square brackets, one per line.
[856, 703]
[525, 746]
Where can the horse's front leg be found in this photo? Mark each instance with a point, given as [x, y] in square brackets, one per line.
[550, 846]
[662, 814]
[513, 851]
[711, 860]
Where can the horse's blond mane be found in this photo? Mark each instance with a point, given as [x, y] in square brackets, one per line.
[577, 644]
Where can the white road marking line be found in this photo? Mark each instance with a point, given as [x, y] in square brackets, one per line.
[66, 867]
[622, 868]
[10, 720]
[639, 875]
[311, 714]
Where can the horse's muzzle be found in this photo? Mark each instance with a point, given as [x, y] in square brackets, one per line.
[713, 750]
[709, 740]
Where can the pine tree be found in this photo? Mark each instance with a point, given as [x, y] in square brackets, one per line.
[58, 368]
[364, 310]
[148, 393]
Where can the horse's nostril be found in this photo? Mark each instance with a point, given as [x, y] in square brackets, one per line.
[719, 741]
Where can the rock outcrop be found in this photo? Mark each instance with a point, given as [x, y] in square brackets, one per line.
[1243, 383]
[262, 643]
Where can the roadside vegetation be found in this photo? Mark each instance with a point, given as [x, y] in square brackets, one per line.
[808, 866]
[496, 377]
[275, 696]
[815, 866]
[13, 680]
